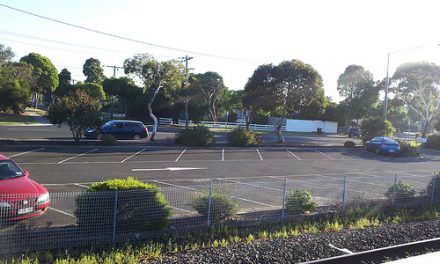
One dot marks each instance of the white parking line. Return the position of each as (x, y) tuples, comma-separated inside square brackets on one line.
[(79, 155), (351, 180), (254, 185), (62, 212), (223, 154), (180, 155), (122, 161), (259, 154), (19, 154), (80, 185), (175, 185), (291, 153), (324, 154)]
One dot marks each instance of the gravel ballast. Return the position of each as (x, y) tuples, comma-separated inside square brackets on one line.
[(310, 246)]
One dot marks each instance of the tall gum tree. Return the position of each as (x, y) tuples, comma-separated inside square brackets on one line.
[(418, 85), (45, 74), (155, 76), (283, 89)]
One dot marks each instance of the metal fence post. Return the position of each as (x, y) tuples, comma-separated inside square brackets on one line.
[(209, 203), (115, 215), (284, 199), (395, 188), (344, 193), (434, 180)]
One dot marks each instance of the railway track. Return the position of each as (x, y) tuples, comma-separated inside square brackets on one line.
[(381, 254)]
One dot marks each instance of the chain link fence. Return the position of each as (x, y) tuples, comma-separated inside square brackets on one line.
[(77, 219)]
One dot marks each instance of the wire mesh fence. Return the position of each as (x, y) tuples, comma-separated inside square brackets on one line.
[(76, 219)]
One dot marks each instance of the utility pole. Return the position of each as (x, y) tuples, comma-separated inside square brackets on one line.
[(115, 68), (185, 89)]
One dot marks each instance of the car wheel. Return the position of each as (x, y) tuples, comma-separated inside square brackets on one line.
[(136, 137), (99, 136)]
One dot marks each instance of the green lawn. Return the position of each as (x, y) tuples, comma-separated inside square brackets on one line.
[(14, 119)]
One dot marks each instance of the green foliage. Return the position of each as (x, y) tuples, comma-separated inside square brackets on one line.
[(94, 90), (15, 79), (434, 183), (243, 137), (433, 141), (222, 205), (44, 72), (300, 201), (195, 136), (93, 71), (402, 191), (78, 110), (349, 144), (109, 140), (408, 149), (141, 206), (375, 126)]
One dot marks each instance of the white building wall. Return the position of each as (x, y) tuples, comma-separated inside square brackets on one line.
[(294, 125)]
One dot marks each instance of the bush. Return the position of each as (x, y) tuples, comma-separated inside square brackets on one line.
[(349, 144), (109, 140), (222, 205), (433, 141), (140, 206), (430, 185), (375, 126), (243, 137), (195, 136), (403, 191), (408, 149), (300, 201)]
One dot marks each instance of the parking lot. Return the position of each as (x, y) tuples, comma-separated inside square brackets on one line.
[(254, 177)]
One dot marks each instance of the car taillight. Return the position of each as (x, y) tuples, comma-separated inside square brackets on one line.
[(146, 130)]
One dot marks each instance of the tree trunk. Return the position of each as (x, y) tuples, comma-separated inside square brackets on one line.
[(247, 118), (278, 130), (150, 112), (186, 111), (425, 128)]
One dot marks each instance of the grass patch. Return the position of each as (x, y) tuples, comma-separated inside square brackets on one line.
[(14, 119), (223, 236)]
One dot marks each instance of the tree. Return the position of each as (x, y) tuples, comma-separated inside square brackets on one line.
[(284, 89), (418, 86), (124, 88), (358, 87), (94, 90), (45, 74), (156, 76), (15, 82), (211, 84), (93, 71), (77, 109), (374, 127), (64, 86), (6, 54)]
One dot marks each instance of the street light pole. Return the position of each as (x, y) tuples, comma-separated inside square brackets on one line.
[(385, 103)]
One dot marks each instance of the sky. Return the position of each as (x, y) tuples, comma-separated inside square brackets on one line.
[(231, 37)]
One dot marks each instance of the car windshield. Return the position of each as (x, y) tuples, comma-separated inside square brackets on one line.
[(389, 141), (8, 170)]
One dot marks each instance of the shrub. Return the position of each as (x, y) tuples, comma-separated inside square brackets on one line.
[(140, 206), (300, 201), (402, 191), (349, 144), (195, 136), (436, 186), (408, 149), (433, 141), (375, 126), (242, 137), (109, 140), (222, 205)]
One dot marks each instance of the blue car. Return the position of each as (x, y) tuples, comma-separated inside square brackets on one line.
[(120, 129), (383, 145)]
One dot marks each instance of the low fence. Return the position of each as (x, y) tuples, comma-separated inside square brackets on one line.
[(255, 127), (76, 219)]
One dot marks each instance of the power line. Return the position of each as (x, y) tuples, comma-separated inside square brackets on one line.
[(119, 36)]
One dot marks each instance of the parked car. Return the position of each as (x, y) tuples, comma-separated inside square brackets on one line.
[(20, 197), (354, 132), (120, 129), (383, 145)]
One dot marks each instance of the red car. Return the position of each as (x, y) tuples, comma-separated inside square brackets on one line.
[(20, 197)]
